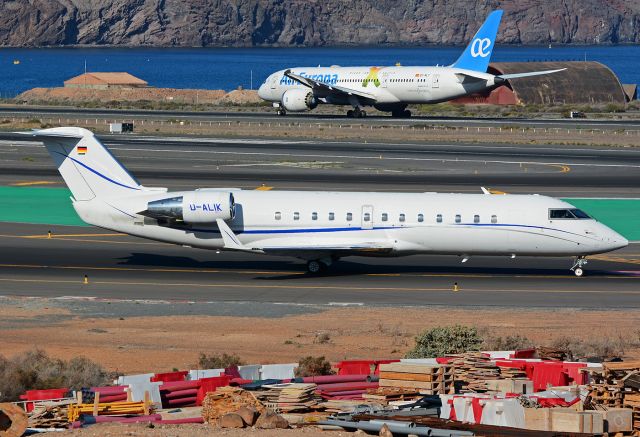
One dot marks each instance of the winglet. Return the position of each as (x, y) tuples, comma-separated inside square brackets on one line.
[(478, 53)]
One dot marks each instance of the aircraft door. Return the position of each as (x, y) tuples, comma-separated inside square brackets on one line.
[(435, 81), (273, 82), (367, 217)]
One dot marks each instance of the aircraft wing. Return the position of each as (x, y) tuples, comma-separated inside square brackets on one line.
[(467, 77), (317, 85), (296, 247)]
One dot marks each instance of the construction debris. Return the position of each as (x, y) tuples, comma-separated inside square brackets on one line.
[(13, 420), (228, 400)]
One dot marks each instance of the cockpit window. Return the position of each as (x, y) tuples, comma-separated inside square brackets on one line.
[(568, 214)]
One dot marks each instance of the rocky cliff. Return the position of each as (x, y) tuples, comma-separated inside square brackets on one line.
[(311, 22)]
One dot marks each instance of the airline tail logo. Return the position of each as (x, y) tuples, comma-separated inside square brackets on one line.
[(479, 47)]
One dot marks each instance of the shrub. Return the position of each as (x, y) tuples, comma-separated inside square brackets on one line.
[(445, 340), (313, 366), (35, 370), (323, 338), (508, 343), (218, 361)]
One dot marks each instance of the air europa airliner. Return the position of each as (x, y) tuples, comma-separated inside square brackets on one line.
[(390, 89), (320, 227)]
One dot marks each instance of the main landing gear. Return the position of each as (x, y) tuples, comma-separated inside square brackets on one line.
[(579, 263), (356, 113), (401, 114), (319, 266), (281, 112)]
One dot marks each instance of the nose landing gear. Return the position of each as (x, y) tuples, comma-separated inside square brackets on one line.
[(578, 264)]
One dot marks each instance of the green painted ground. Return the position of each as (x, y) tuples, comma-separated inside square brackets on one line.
[(38, 205), (52, 206)]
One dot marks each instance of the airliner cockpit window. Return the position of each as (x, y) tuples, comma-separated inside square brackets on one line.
[(568, 214)]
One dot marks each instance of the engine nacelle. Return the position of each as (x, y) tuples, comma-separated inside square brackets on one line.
[(194, 207), (298, 100)]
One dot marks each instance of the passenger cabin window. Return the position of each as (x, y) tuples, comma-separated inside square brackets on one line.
[(349, 216), (402, 217), (296, 216), (439, 218), (494, 219), (314, 216), (568, 214), (476, 218), (385, 216), (420, 218), (458, 218), (367, 217), (332, 216), (278, 216)]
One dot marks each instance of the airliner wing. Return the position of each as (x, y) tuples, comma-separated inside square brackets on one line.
[(529, 74), (298, 247), (317, 85)]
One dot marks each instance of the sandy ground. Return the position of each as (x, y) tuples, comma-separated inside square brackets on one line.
[(139, 430), (162, 343)]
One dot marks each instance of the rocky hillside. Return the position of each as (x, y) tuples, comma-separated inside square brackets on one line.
[(311, 22)]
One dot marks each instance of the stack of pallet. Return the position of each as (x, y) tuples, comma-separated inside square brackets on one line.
[(289, 397), (616, 385), (472, 370), (228, 400), (428, 379), (51, 414), (384, 395)]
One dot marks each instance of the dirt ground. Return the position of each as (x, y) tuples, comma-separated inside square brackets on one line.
[(139, 430), (162, 343)]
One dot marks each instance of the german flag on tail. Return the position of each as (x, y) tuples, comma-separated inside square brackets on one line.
[(82, 150)]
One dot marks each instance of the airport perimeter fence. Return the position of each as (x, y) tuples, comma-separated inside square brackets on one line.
[(299, 126)]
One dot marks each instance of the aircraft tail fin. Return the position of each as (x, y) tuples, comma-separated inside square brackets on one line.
[(477, 55), (86, 165)]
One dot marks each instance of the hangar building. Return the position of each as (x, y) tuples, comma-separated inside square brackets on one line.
[(582, 83)]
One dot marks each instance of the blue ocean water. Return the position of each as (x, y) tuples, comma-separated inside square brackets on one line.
[(228, 68)]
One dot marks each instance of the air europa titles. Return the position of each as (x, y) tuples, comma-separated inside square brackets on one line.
[(213, 207), (330, 79)]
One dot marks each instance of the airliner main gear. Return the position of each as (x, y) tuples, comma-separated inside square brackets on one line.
[(356, 113), (316, 266)]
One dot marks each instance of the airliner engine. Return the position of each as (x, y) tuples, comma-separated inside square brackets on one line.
[(298, 100), (194, 207)]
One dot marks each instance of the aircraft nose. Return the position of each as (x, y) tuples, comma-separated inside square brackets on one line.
[(615, 241), (262, 91)]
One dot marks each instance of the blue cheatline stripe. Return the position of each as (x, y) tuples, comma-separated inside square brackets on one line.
[(98, 173)]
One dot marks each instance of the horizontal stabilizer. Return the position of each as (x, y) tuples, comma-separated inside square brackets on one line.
[(470, 78), (529, 74)]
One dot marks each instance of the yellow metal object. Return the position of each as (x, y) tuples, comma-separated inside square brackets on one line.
[(86, 280), (264, 187), (49, 235), (455, 287), (108, 409)]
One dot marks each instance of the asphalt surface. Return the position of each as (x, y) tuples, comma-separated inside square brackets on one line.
[(185, 163), (270, 115), (121, 267)]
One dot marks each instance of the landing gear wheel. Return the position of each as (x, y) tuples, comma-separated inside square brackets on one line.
[(578, 272), (315, 267), (281, 112), (406, 114), (579, 263), (363, 114), (350, 113)]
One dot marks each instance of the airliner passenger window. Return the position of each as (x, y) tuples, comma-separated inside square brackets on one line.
[(314, 216), (296, 216), (385, 216), (420, 218), (458, 218), (367, 217), (332, 216), (349, 216), (476, 218), (494, 219), (402, 217), (278, 216), (439, 218)]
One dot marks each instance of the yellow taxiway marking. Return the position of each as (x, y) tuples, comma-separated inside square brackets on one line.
[(316, 287), (496, 192), (299, 273), (264, 188), (53, 235), (29, 183)]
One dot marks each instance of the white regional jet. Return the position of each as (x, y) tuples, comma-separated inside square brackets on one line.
[(320, 226), (390, 89)]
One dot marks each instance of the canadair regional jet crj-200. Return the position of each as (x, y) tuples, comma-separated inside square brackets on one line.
[(320, 227), (390, 89)]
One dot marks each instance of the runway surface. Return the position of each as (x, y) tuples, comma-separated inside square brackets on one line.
[(184, 163), (122, 267), (270, 115)]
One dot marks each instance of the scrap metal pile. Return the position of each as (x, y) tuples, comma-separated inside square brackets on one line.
[(492, 393)]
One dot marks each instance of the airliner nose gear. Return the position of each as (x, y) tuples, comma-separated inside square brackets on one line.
[(578, 264)]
